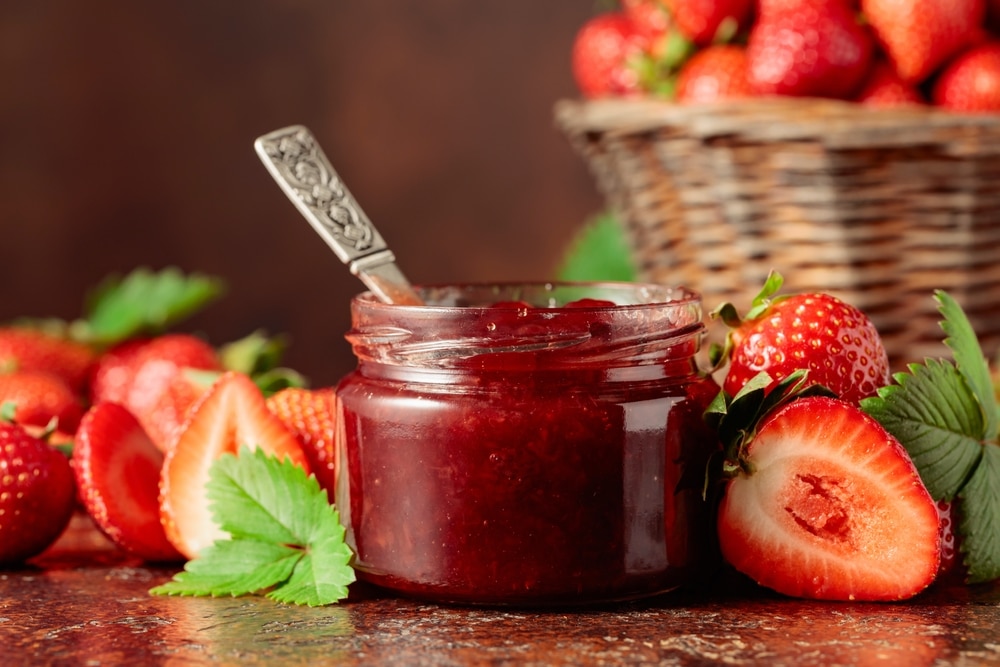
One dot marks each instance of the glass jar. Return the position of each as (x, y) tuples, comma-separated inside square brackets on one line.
[(527, 444)]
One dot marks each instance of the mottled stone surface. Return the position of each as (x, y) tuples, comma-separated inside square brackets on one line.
[(87, 605)]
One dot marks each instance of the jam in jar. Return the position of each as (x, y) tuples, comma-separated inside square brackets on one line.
[(527, 444)]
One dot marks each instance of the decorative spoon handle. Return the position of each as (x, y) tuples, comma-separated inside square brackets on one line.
[(295, 160)]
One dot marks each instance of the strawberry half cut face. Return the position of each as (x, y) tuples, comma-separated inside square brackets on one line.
[(829, 506), (232, 414)]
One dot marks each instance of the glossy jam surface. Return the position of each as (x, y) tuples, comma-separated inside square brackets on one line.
[(537, 451)]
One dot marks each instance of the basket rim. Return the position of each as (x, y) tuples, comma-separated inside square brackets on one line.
[(835, 123)]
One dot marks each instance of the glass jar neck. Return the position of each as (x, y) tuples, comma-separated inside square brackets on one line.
[(617, 331)]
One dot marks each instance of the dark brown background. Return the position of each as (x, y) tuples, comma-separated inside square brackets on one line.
[(127, 132)]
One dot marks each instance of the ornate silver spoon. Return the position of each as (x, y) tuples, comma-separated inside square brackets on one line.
[(295, 160)]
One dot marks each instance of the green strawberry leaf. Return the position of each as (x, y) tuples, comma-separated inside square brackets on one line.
[(736, 419), (980, 516), (945, 414), (143, 302), (286, 540), (233, 567), (599, 251), (970, 359), (258, 356), (718, 354), (932, 411)]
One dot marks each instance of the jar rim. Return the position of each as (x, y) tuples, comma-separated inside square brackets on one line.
[(447, 296)]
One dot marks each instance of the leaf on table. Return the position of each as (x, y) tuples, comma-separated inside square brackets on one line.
[(286, 539)]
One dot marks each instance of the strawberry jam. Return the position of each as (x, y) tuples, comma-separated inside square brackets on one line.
[(527, 444)]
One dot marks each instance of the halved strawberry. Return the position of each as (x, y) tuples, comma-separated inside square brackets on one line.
[(233, 413), (309, 415), (117, 470), (826, 504)]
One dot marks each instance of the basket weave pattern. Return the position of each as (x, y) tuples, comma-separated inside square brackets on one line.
[(879, 207)]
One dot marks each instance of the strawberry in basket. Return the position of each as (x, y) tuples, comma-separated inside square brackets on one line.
[(876, 52)]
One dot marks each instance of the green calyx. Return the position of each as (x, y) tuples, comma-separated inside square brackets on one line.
[(946, 415), (259, 355), (736, 418), (718, 355)]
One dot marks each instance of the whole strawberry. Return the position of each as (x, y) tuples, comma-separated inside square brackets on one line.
[(604, 56), (813, 48), (309, 415), (920, 35), (701, 20), (714, 73), (971, 82), (140, 374), (39, 398), (833, 340), (885, 88), (29, 349), (650, 18), (37, 494)]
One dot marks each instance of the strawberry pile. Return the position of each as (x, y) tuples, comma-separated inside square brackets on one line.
[(878, 52), (122, 416), (839, 482)]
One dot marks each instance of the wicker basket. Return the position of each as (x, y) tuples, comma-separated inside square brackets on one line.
[(879, 207)]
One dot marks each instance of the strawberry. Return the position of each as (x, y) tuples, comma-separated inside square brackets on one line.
[(971, 82), (117, 470), (920, 35), (714, 73), (233, 413), (833, 340), (885, 88), (309, 415), (39, 397), (825, 504), (604, 53), (650, 18), (138, 374), (28, 349), (37, 494), (700, 20), (807, 48)]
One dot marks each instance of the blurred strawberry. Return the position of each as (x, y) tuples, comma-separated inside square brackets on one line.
[(971, 82), (37, 494), (309, 415), (921, 35), (885, 88), (29, 349), (39, 398), (604, 56), (139, 374), (650, 18), (701, 20), (714, 73), (807, 48)]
